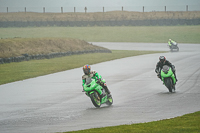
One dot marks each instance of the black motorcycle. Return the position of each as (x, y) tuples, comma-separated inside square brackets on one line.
[(174, 46)]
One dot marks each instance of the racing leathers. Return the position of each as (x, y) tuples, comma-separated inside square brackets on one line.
[(171, 42)]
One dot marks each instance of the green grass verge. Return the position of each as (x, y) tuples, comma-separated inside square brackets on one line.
[(189, 123), (154, 34), (28, 69)]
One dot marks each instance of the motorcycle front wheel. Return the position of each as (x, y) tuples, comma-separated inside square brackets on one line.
[(95, 98), (168, 84)]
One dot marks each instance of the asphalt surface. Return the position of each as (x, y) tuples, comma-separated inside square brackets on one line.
[(56, 103)]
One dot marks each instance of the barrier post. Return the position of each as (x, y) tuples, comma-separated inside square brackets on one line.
[(61, 9), (85, 9)]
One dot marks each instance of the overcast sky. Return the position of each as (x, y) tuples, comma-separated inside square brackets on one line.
[(14, 4)]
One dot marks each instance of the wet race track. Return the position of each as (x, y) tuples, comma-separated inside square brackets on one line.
[(56, 103)]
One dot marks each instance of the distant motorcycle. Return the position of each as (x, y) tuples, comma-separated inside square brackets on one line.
[(168, 78), (174, 46), (94, 90)]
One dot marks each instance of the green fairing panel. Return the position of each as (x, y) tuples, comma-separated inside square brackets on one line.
[(93, 86), (169, 74)]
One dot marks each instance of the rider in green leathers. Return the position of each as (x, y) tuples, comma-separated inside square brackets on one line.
[(88, 73), (170, 42)]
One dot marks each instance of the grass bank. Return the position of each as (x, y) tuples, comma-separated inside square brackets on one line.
[(154, 34), (98, 16), (189, 123), (14, 47), (11, 72)]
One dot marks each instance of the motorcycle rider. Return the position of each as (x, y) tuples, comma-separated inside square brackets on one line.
[(161, 63), (88, 73), (170, 42)]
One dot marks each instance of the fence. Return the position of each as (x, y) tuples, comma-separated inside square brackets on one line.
[(109, 22), (101, 9)]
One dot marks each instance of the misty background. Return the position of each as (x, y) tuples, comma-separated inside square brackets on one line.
[(97, 5)]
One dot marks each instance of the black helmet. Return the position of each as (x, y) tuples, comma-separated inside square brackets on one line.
[(162, 59)]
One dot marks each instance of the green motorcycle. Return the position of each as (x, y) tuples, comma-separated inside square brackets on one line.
[(94, 91), (168, 78)]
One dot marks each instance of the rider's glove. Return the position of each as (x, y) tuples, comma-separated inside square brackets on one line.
[(173, 68), (99, 81), (157, 71), (83, 89), (158, 75)]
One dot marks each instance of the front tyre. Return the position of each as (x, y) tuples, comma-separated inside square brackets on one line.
[(95, 98), (173, 89), (168, 84)]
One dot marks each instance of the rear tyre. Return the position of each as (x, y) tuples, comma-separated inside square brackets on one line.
[(95, 98), (177, 48), (110, 101)]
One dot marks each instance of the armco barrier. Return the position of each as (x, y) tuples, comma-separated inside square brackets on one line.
[(26, 57), (147, 22)]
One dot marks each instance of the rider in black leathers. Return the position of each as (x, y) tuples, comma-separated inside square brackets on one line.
[(161, 63)]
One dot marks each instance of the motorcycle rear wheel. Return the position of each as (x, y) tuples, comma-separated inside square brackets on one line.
[(110, 101)]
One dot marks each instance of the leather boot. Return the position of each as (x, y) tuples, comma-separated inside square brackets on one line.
[(107, 91)]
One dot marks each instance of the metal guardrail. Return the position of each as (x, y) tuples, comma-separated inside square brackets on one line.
[(26, 57), (147, 22)]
